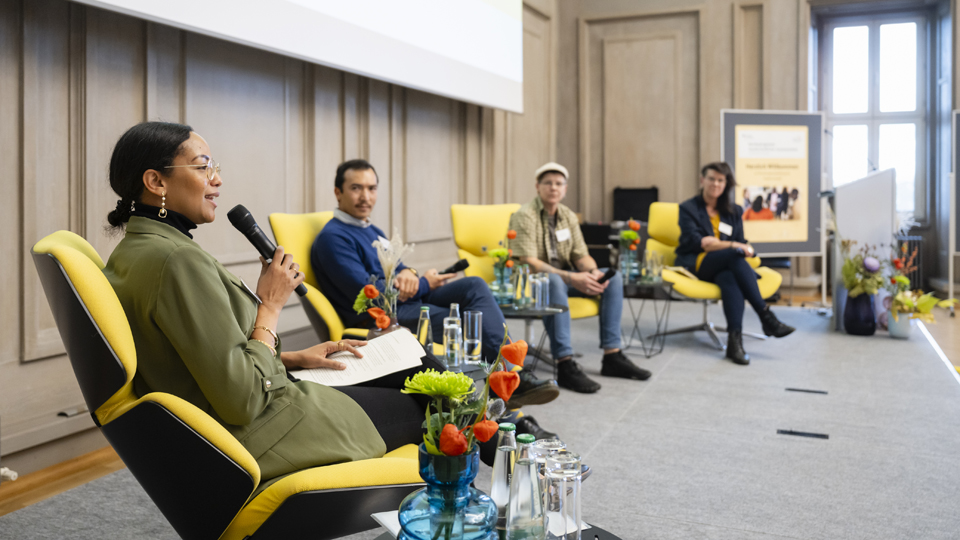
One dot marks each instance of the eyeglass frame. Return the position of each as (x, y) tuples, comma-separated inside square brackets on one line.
[(210, 164)]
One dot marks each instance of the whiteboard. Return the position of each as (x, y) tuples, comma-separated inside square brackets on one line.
[(866, 209)]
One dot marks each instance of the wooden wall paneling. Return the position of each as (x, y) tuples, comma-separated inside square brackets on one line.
[(472, 166), (48, 201), (236, 98), (531, 137), (13, 265), (352, 102), (750, 72), (327, 131), (378, 143), (165, 72), (431, 171), (637, 130), (114, 100), (398, 162), (641, 115), (295, 137)]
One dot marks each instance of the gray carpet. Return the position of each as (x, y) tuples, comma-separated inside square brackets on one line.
[(694, 452)]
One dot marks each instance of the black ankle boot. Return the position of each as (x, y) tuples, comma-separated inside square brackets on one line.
[(735, 350), (772, 326)]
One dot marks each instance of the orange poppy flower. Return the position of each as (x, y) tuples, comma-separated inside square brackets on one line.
[(511, 234), (383, 322), (376, 312), (370, 292), (452, 442), (515, 352), (503, 383), (633, 247), (509, 264), (634, 225)]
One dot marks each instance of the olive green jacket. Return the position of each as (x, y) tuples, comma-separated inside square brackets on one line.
[(191, 320)]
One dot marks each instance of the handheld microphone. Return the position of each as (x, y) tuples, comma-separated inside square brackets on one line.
[(241, 219), (458, 266)]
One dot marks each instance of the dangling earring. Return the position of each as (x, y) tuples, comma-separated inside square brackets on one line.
[(163, 204)]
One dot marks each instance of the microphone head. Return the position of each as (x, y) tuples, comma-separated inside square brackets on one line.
[(241, 218)]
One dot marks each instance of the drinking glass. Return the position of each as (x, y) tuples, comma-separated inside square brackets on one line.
[(562, 496), (536, 290), (452, 344), (473, 330)]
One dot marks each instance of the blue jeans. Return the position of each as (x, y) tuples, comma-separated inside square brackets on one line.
[(473, 294), (611, 309)]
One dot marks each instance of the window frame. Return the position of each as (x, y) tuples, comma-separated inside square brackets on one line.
[(873, 118)]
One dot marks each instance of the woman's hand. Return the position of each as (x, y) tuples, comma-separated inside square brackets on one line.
[(278, 279), (317, 356)]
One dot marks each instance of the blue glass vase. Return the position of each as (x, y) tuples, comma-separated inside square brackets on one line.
[(858, 316), (448, 508), (502, 287)]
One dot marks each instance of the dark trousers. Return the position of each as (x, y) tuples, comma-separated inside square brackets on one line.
[(399, 417), (737, 281), (473, 294)]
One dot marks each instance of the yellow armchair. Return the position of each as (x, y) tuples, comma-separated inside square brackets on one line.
[(664, 237), (296, 233), (203, 481)]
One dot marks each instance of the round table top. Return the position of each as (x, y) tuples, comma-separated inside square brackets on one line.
[(511, 312)]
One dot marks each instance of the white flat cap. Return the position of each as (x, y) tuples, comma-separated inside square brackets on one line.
[(552, 167)]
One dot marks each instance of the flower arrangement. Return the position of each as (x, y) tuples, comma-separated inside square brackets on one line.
[(501, 255), (629, 239), (458, 414), (861, 272), (382, 305), (914, 303)]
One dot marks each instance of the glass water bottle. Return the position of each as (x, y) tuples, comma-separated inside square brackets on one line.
[(525, 507), (424, 329), (503, 471)]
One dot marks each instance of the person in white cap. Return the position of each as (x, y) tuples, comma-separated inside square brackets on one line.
[(549, 240)]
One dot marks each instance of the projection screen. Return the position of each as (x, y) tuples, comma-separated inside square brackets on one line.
[(469, 50)]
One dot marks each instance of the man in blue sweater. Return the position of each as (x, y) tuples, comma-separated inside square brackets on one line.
[(344, 258)]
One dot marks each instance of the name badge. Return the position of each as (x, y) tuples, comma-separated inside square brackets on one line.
[(563, 235), (250, 291), (726, 228)]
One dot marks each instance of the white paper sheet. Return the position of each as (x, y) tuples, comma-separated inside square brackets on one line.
[(384, 355)]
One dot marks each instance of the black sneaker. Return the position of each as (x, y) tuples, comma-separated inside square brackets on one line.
[(528, 424), (618, 365), (572, 377), (533, 391)]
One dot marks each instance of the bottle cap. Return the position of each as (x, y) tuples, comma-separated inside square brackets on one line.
[(526, 438), (424, 308), (507, 426)]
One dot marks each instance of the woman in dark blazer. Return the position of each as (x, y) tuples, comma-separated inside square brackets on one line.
[(712, 246), (202, 334)]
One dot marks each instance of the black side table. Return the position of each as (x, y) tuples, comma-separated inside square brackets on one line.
[(529, 314), (659, 291)]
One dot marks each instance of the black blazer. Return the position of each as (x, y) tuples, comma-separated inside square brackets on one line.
[(695, 224)]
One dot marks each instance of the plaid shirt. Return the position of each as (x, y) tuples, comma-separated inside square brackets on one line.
[(533, 232)]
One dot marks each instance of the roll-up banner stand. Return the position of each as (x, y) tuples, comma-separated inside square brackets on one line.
[(953, 236), (777, 158)]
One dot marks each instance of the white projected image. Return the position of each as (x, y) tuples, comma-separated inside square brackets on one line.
[(469, 50)]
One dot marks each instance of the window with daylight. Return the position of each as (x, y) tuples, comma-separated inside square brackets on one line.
[(874, 75)]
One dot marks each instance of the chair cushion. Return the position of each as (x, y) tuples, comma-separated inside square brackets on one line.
[(476, 226), (664, 223), (326, 311), (481, 266), (581, 308), (768, 283), (400, 466), (296, 233)]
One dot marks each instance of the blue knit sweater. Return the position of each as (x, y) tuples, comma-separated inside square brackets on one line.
[(343, 258)]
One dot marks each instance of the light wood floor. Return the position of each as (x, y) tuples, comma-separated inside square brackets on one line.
[(43, 484), (35, 487)]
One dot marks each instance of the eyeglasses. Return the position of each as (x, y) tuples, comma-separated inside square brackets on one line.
[(211, 166)]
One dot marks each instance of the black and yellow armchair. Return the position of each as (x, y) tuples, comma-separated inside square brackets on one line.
[(296, 233), (664, 232), (201, 478)]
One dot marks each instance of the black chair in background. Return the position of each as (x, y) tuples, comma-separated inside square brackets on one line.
[(633, 203)]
